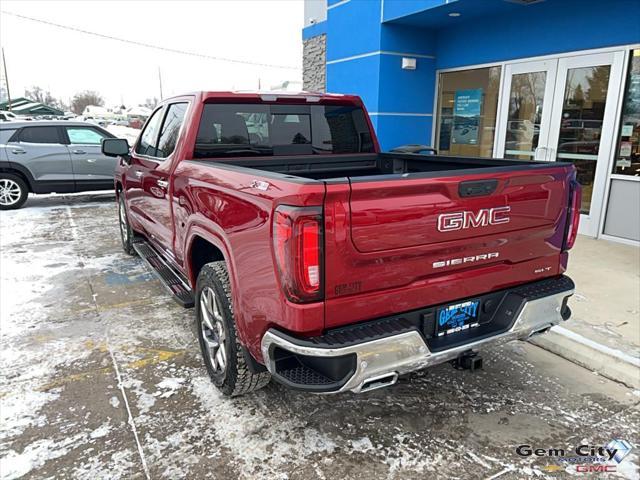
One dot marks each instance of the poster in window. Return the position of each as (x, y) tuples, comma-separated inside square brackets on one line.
[(466, 116)]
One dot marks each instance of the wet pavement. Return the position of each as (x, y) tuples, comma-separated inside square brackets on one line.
[(101, 377)]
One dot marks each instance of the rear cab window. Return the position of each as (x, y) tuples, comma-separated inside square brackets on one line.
[(240, 130)]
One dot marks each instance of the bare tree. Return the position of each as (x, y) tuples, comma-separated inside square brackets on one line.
[(150, 103), (82, 99), (40, 95)]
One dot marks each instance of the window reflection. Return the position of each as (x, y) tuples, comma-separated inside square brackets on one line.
[(525, 114), (628, 148), (467, 106), (585, 97)]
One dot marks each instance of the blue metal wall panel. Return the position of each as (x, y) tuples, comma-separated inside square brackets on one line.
[(400, 38), (314, 30), (547, 28), (400, 8), (396, 130), (353, 29), (407, 91), (359, 77), (506, 31)]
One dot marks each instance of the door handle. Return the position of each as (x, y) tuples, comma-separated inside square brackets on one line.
[(78, 152), (162, 183), (91, 160), (138, 173), (18, 151)]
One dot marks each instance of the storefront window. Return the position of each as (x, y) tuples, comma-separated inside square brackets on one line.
[(628, 148), (467, 106)]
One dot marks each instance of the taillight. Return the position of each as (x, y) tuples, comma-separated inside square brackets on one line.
[(573, 216), (297, 245)]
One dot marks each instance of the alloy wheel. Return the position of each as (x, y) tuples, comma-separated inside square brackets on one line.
[(213, 330), (10, 192)]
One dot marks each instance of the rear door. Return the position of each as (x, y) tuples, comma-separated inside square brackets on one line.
[(41, 149), (91, 169), (403, 243)]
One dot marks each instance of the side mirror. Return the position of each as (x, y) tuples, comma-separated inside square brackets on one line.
[(115, 147)]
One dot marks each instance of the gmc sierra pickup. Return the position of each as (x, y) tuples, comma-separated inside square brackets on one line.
[(316, 260)]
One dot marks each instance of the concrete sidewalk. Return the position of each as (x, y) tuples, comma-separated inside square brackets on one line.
[(603, 334)]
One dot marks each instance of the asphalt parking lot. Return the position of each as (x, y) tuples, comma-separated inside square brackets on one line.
[(102, 378)]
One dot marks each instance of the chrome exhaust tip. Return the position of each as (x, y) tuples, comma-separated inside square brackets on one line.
[(382, 381)]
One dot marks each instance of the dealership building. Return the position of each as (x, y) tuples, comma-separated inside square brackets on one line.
[(523, 79)]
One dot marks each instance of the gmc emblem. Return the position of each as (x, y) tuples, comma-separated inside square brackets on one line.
[(448, 222)]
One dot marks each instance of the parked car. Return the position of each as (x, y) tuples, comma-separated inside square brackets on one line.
[(51, 156), (6, 116), (314, 259)]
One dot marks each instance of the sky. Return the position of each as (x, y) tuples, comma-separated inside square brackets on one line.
[(65, 62)]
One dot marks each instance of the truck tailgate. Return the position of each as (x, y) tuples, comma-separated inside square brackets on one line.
[(401, 243)]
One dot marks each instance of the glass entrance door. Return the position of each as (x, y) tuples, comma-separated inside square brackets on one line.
[(525, 112), (564, 109), (582, 125)]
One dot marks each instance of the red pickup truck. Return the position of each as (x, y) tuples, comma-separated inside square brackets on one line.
[(315, 259)]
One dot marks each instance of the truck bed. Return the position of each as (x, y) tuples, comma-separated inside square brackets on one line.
[(365, 166)]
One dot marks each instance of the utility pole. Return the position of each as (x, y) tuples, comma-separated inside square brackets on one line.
[(160, 80), (6, 79)]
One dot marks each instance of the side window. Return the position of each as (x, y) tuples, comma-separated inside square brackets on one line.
[(84, 136), (149, 136), (170, 129), (39, 135)]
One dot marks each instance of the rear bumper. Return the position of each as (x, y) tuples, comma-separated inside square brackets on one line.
[(372, 355)]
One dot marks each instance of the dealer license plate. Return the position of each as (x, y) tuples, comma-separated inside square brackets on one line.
[(457, 317)]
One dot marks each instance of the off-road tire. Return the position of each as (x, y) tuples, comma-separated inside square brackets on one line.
[(126, 232), (237, 378), (24, 191)]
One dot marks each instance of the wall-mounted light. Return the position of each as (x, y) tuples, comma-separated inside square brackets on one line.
[(454, 14), (408, 63)]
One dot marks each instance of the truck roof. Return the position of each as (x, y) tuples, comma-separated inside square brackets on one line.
[(274, 96)]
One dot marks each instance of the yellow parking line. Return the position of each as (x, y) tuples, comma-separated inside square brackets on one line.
[(153, 357)]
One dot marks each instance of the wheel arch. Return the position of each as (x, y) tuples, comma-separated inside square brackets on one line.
[(20, 171), (203, 247), (202, 251)]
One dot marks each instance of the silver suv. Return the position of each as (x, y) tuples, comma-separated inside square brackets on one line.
[(51, 156)]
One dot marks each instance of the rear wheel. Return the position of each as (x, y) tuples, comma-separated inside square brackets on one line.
[(219, 342), (13, 191), (126, 233)]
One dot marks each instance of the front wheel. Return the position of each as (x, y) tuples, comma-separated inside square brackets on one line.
[(219, 342), (13, 191), (126, 233)]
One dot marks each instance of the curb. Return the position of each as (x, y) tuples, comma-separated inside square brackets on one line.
[(606, 361)]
